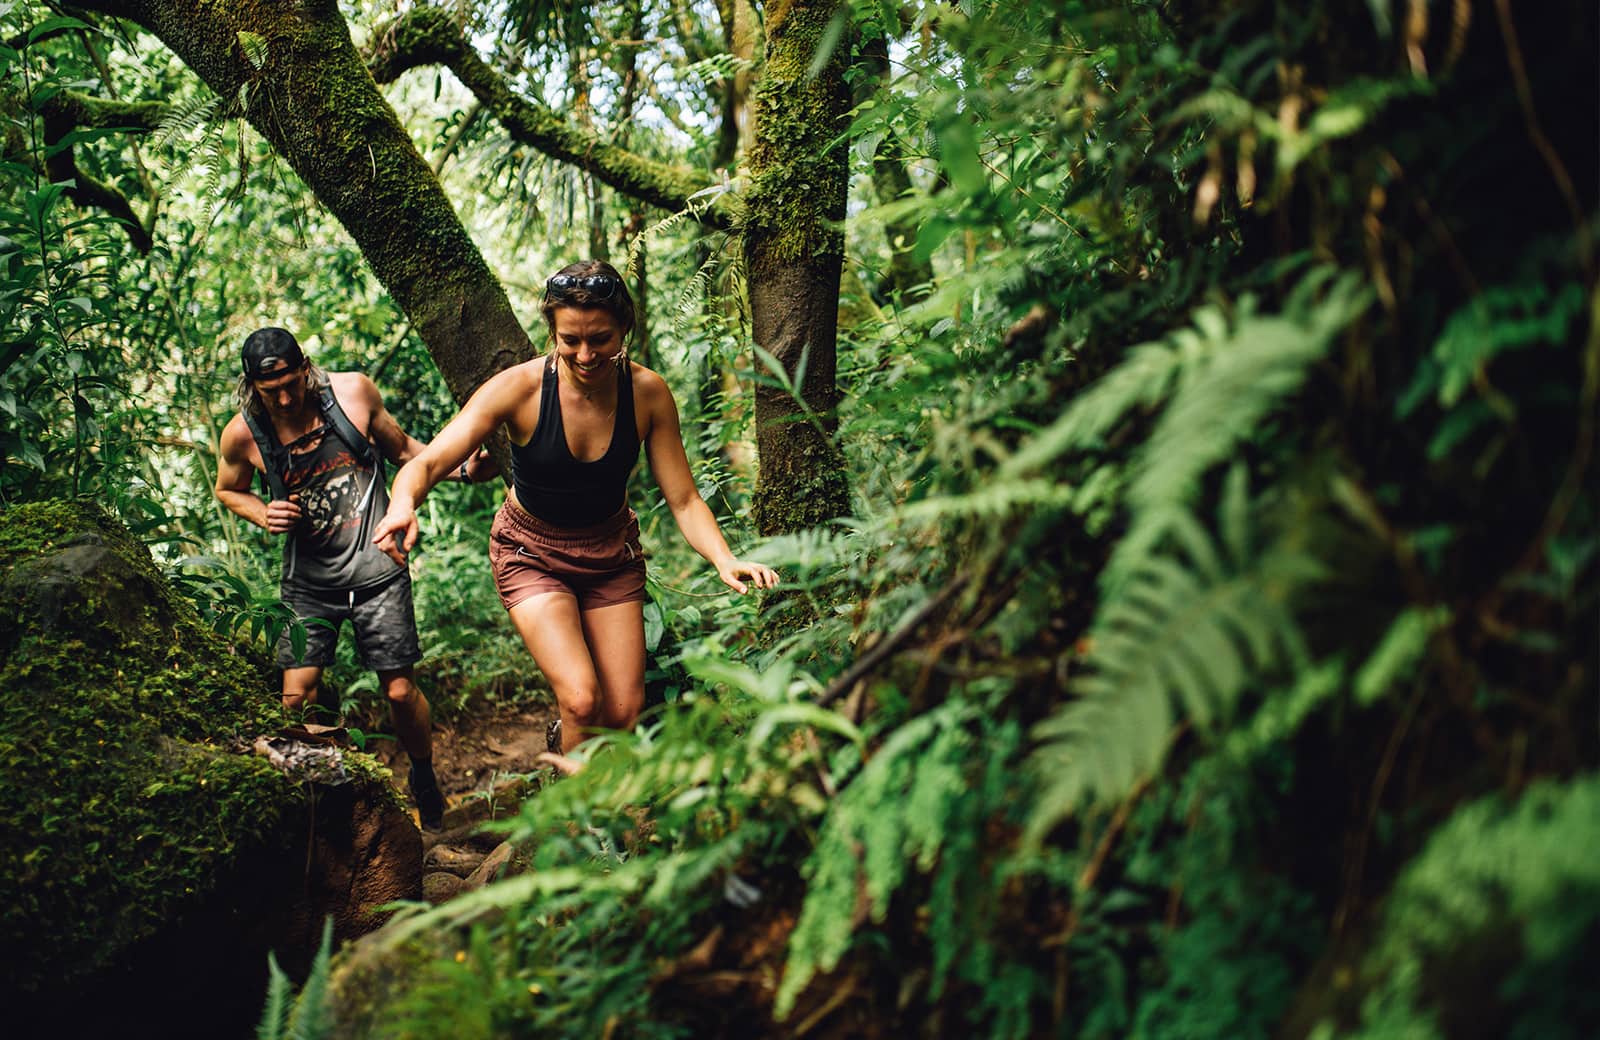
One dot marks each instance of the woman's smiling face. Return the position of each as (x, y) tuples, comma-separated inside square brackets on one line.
[(588, 341)]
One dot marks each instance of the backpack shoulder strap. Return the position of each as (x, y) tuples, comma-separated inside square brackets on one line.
[(273, 455), (352, 437)]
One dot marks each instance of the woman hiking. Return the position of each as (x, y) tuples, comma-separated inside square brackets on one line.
[(564, 547)]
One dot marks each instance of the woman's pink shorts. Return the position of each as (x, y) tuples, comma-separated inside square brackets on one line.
[(601, 565)]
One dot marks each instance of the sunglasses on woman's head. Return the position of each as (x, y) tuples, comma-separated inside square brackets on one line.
[(597, 286)]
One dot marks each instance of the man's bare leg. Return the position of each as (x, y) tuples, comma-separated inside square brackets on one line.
[(408, 708), (300, 687), (413, 724)]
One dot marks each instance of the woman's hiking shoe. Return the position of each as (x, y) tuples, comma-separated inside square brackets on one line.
[(552, 736), (430, 800)]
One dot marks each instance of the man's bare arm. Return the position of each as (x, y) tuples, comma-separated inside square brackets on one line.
[(397, 446), (236, 473)]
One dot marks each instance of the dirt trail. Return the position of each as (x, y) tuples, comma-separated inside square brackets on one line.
[(486, 767), (475, 757)]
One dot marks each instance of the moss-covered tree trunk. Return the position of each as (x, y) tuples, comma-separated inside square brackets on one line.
[(794, 252), (313, 99)]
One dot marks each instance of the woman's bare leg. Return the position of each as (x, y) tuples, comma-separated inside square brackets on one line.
[(594, 688), (552, 632), (615, 635)]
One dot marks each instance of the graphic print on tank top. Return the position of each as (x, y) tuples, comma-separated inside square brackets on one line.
[(329, 484), (340, 502)]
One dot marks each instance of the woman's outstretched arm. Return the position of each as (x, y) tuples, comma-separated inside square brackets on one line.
[(493, 403), (670, 465)]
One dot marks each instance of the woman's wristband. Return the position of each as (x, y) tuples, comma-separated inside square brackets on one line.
[(462, 472)]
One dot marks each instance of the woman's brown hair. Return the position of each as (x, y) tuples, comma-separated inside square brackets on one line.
[(588, 283)]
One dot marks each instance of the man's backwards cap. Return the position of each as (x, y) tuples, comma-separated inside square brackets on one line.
[(270, 352)]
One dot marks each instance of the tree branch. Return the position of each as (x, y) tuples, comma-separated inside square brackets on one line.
[(86, 110), (71, 110), (889, 645), (342, 138), (429, 36)]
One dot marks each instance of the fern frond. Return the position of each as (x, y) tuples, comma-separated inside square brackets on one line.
[(275, 1014), (1234, 377), (1227, 110), (687, 872), (871, 838), (813, 549), (719, 67), (1501, 318), (313, 1014), (671, 220), (1187, 632), (1399, 650), (694, 294), (1141, 380), (254, 47), (1222, 376), (472, 906), (1344, 112), (1283, 711), (182, 120), (997, 498), (1521, 877), (216, 165)]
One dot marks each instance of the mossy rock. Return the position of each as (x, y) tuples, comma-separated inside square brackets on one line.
[(124, 807), (378, 975)]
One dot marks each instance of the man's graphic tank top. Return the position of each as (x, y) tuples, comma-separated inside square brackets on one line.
[(331, 549)]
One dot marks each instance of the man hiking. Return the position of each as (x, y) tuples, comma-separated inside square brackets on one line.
[(320, 438)]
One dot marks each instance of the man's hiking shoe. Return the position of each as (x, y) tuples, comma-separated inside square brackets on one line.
[(430, 800), (552, 736)]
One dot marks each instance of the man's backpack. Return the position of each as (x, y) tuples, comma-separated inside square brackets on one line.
[(276, 457)]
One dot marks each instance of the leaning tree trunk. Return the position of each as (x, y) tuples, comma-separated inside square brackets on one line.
[(794, 252), (314, 101)]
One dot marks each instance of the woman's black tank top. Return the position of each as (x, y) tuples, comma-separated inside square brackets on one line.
[(557, 488)]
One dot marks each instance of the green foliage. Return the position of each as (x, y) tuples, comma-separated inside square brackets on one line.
[(919, 805), (614, 888), (1492, 322), (1220, 394), (1190, 628), (280, 999), (61, 364), (230, 606), (307, 1016), (1226, 967), (1397, 655), (1492, 919), (312, 1017)]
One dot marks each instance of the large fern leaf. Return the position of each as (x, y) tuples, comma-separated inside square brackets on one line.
[(1220, 379), (1185, 634), (275, 1014), (1236, 373)]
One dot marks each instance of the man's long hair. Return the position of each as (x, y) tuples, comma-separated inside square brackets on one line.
[(249, 401)]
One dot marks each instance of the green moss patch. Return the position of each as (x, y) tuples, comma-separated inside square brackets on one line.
[(119, 798)]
